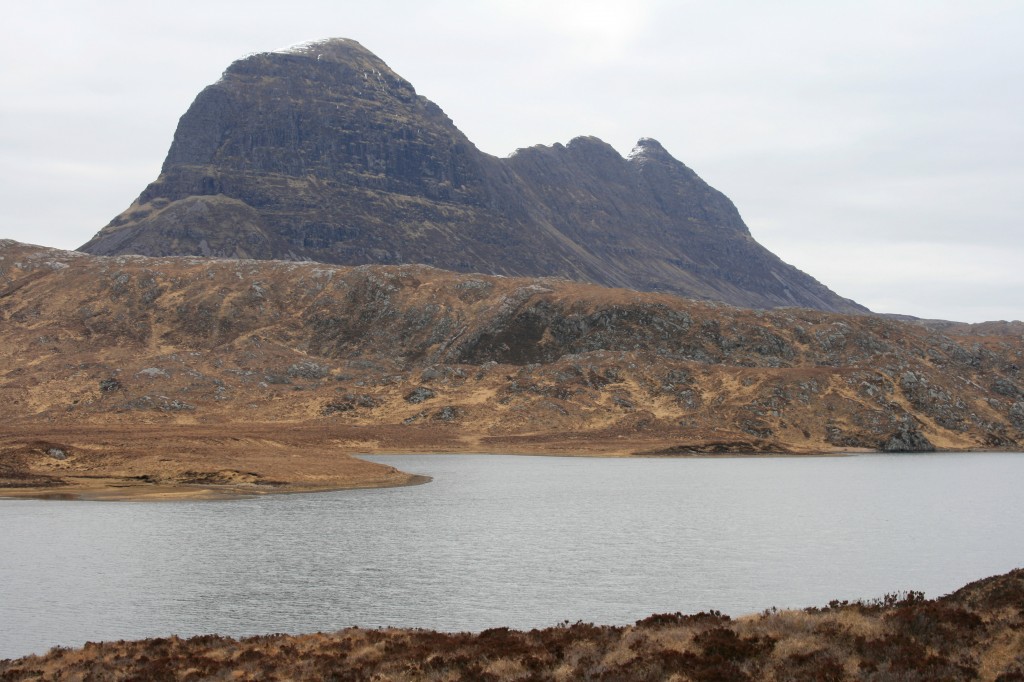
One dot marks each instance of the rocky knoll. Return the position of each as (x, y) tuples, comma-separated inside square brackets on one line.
[(323, 153), (418, 359)]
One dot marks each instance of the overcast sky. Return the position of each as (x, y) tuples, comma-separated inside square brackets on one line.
[(878, 145)]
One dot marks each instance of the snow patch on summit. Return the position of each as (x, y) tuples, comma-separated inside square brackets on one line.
[(643, 145), (308, 46)]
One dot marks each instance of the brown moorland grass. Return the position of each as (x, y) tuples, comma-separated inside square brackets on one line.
[(235, 365), (976, 633)]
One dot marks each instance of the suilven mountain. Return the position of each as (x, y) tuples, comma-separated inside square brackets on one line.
[(323, 153)]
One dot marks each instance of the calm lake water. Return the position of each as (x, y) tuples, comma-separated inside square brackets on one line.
[(517, 541)]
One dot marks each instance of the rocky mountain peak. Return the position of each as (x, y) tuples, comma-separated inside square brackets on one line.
[(340, 56), (340, 50), (648, 148), (322, 152), (591, 145)]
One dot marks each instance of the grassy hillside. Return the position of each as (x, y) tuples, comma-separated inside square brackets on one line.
[(411, 358)]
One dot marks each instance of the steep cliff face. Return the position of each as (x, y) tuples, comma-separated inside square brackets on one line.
[(323, 153)]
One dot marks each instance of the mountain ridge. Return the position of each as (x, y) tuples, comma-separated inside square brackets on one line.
[(322, 152)]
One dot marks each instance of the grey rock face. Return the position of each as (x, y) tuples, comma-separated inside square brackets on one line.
[(907, 439), (419, 394), (323, 153)]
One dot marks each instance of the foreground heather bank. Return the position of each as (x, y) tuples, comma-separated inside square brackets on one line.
[(974, 633)]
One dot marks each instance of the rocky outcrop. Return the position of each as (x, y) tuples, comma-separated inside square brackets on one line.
[(323, 153), (907, 439)]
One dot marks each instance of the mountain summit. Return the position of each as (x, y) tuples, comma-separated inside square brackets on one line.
[(321, 152)]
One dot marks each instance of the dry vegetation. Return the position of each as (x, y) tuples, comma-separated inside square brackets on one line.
[(188, 373), (977, 633)]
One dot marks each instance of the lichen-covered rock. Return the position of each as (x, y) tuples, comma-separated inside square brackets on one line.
[(1017, 415), (160, 403), (348, 403), (110, 385), (448, 413), (419, 394), (907, 439), (308, 370)]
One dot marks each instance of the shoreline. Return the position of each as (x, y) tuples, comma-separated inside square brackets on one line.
[(148, 492), (206, 461), (82, 488), (139, 491)]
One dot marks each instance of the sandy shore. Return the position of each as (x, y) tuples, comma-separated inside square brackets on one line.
[(184, 462), (118, 490), (154, 462)]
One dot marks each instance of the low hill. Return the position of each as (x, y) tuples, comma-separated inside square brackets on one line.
[(413, 358)]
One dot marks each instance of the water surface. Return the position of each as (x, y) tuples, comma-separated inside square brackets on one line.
[(504, 540)]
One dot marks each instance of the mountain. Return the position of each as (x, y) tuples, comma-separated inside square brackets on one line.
[(186, 369), (322, 152)]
